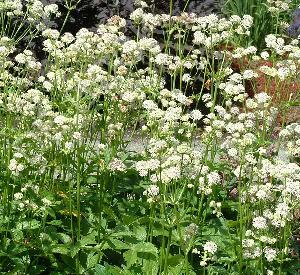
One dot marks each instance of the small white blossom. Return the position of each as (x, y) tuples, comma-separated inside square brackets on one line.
[(210, 247)]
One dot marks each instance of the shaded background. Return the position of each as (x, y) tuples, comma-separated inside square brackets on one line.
[(89, 13)]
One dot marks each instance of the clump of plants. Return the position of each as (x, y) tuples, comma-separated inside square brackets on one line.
[(269, 16), (125, 156)]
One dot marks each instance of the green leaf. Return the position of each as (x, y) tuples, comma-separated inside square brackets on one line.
[(216, 270), (92, 260), (85, 240), (51, 212), (180, 270), (231, 223), (145, 247), (122, 231), (115, 270), (74, 250), (140, 233), (160, 232), (17, 234), (32, 224), (130, 257), (60, 249), (150, 266), (55, 222), (117, 244), (91, 180), (175, 270), (64, 237), (88, 239), (100, 270), (175, 260)]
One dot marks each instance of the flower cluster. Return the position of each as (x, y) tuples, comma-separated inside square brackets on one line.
[(276, 7)]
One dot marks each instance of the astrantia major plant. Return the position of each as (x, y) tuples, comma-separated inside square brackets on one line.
[(127, 156)]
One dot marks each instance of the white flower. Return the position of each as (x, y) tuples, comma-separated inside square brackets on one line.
[(50, 33), (46, 202), (270, 253), (60, 120), (262, 151), (213, 178), (262, 98), (149, 105), (51, 9), (130, 47), (268, 70), (282, 210), (21, 58), (203, 263), (67, 38), (186, 78), (137, 15), (264, 55), (196, 115), (117, 165), (18, 196), (183, 148), (206, 97), (210, 247), (116, 21), (259, 223), (47, 85), (172, 114), (247, 21), (14, 166), (171, 173), (152, 191), (101, 147), (18, 155), (283, 72), (149, 44), (69, 145), (248, 243), (250, 50), (199, 38), (251, 104), (163, 59), (232, 152), (248, 74), (77, 135)]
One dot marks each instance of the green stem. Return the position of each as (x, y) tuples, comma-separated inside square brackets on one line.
[(168, 251)]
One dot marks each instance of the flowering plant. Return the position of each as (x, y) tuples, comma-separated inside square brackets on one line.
[(123, 155)]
